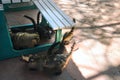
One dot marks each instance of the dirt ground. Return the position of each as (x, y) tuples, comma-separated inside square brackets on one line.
[(97, 37)]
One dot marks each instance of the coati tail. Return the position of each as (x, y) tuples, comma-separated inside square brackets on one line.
[(74, 20), (38, 18), (71, 49), (32, 20), (72, 29)]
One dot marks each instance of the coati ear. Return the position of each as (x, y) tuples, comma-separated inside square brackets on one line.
[(33, 21)]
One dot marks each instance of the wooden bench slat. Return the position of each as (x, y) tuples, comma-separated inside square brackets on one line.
[(44, 13), (62, 13), (26, 0), (57, 14), (6, 1), (51, 14)]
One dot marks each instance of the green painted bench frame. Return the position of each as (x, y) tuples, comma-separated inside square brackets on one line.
[(6, 46), (18, 6)]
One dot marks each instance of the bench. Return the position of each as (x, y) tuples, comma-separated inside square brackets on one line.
[(52, 16)]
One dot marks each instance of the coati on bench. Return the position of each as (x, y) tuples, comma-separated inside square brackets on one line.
[(45, 32), (25, 38)]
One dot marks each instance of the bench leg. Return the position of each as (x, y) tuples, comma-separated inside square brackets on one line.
[(58, 35)]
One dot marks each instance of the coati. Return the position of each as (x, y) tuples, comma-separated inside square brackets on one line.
[(55, 60), (45, 32), (23, 40)]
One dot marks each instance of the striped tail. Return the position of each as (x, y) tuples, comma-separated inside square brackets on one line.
[(33, 21), (38, 18)]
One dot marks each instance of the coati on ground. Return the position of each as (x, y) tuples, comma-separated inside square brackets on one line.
[(55, 60), (58, 59)]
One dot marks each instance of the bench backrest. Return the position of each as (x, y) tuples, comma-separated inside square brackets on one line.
[(13, 1), (17, 5)]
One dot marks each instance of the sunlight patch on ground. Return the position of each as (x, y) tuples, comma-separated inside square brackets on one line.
[(93, 57), (114, 52)]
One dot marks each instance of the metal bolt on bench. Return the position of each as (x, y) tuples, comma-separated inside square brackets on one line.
[(52, 16)]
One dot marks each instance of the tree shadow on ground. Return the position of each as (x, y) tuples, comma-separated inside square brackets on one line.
[(103, 33), (112, 72)]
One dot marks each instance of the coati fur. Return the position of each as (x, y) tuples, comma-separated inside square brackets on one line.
[(68, 36), (23, 40), (57, 59)]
